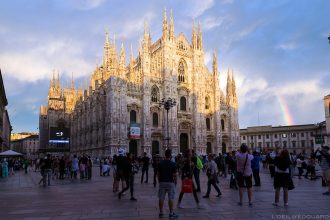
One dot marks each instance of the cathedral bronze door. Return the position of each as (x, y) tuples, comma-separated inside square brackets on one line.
[(184, 142), (155, 147), (133, 147), (224, 148)]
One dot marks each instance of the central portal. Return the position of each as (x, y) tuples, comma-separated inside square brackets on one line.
[(184, 143), (133, 147)]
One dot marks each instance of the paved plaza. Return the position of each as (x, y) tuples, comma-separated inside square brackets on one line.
[(22, 198)]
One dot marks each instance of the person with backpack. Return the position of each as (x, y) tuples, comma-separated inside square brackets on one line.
[(324, 158), (211, 172), (199, 166)]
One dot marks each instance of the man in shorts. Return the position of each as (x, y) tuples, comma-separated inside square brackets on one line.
[(167, 178)]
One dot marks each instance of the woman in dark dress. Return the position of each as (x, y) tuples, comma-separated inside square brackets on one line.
[(282, 176)]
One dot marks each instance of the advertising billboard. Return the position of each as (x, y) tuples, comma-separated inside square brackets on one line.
[(59, 135), (134, 131)]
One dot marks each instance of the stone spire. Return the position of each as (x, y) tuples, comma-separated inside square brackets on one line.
[(165, 27), (150, 40), (122, 59), (194, 37), (229, 87), (171, 30), (53, 81), (199, 37), (106, 51), (57, 85), (145, 43), (233, 83), (131, 60), (215, 64), (72, 82), (112, 61)]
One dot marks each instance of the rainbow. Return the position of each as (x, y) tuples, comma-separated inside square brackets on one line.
[(288, 119)]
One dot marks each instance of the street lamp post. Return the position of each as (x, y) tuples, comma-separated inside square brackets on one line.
[(168, 104)]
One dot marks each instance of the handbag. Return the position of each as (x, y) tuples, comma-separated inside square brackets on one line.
[(187, 186)]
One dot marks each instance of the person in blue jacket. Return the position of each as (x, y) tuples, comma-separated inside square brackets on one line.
[(255, 168)]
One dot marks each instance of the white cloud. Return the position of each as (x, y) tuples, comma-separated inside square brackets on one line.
[(209, 23), (135, 26), (287, 46), (86, 4), (227, 1), (37, 63), (198, 7)]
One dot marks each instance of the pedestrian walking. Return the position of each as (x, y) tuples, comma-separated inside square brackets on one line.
[(74, 167), (189, 165), (198, 167), (167, 174), (324, 158), (244, 173), (212, 177), (48, 169), (255, 165), (129, 170), (155, 162), (145, 167), (299, 162)]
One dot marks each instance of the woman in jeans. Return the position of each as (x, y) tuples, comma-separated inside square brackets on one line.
[(282, 176)]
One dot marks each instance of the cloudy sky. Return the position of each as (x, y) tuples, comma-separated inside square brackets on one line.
[(278, 49)]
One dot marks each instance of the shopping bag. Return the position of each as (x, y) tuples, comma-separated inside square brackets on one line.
[(187, 186)]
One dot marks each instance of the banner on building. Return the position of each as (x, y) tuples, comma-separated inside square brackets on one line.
[(135, 131)]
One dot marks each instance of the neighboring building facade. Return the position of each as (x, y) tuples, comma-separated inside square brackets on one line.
[(21, 135), (5, 126), (121, 106), (295, 138), (56, 115), (27, 144)]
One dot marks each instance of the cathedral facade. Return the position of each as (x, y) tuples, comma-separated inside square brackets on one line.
[(120, 108)]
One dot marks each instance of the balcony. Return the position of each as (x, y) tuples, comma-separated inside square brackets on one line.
[(184, 115)]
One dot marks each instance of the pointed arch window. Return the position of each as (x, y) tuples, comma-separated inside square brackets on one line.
[(181, 72), (207, 102), (132, 115), (183, 103), (154, 94), (155, 119), (208, 124), (222, 124)]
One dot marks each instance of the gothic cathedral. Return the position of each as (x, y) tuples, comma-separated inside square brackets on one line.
[(120, 108)]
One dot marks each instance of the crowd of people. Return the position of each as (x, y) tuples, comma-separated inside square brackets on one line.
[(242, 166)]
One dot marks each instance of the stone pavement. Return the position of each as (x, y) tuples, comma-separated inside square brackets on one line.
[(22, 198)]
